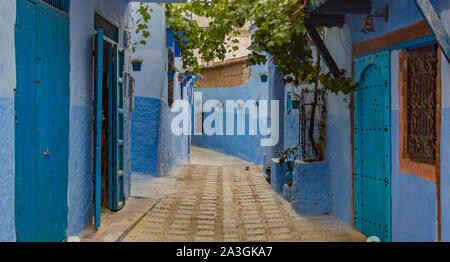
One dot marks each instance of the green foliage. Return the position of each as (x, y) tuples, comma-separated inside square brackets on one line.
[(137, 60), (288, 156), (142, 23), (278, 34)]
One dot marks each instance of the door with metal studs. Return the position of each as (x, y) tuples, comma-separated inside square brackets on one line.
[(372, 134)]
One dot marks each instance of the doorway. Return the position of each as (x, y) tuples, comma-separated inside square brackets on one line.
[(41, 104), (109, 120), (372, 145)]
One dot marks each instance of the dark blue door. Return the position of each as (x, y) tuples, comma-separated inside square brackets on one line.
[(42, 121), (98, 125), (117, 118), (372, 176)]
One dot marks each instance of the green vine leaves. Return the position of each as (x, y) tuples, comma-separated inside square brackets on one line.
[(278, 34)]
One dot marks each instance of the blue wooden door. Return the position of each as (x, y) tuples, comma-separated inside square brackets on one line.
[(98, 125), (372, 176), (42, 122), (117, 118)]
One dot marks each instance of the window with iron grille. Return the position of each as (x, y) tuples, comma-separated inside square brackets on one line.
[(421, 105), (171, 58), (62, 5), (312, 115)]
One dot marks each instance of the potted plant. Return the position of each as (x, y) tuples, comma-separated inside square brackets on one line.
[(288, 156), (171, 73), (277, 70), (264, 77), (137, 64)]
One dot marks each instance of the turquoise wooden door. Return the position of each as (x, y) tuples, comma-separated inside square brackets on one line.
[(117, 119), (42, 122), (372, 179), (98, 125)]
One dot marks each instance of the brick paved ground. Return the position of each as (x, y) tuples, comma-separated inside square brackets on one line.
[(229, 203)]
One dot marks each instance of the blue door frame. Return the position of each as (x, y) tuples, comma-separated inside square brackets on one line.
[(372, 146), (116, 118), (41, 103)]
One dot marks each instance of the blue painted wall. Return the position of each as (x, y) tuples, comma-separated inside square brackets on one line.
[(7, 170), (413, 198), (81, 111), (80, 144), (445, 168), (291, 119), (245, 147), (8, 81), (338, 138), (276, 92), (445, 140), (402, 13), (277, 175), (173, 150), (155, 150), (310, 191), (145, 135)]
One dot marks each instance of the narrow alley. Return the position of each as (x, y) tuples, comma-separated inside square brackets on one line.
[(225, 121), (217, 199)]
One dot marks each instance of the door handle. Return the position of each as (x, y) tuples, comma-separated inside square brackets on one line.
[(47, 153)]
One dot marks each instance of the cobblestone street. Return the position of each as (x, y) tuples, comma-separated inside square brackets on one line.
[(228, 203)]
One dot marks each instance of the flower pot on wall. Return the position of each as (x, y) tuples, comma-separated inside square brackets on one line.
[(289, 178), (137, 66), (295, 104), (264, 78), (277, 71), (170, 38), (170, 74)]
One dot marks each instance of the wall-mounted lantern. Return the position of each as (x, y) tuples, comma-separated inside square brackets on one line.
[(368, 25)]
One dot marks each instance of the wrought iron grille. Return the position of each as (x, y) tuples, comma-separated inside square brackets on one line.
[(421, 105), (312, 125), (62, 5), (171, 63)]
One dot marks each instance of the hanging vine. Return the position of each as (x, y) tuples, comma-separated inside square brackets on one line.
[(278, 34)]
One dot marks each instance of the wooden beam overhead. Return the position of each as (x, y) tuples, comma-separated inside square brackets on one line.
[(362, 7), (320, 20), (323, 50)]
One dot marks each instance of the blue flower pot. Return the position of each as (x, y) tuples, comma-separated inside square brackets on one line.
[(277, 71), (295, 104), (170, 74), (289, 178), (264, 78), (288, 175), (137, 66)]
